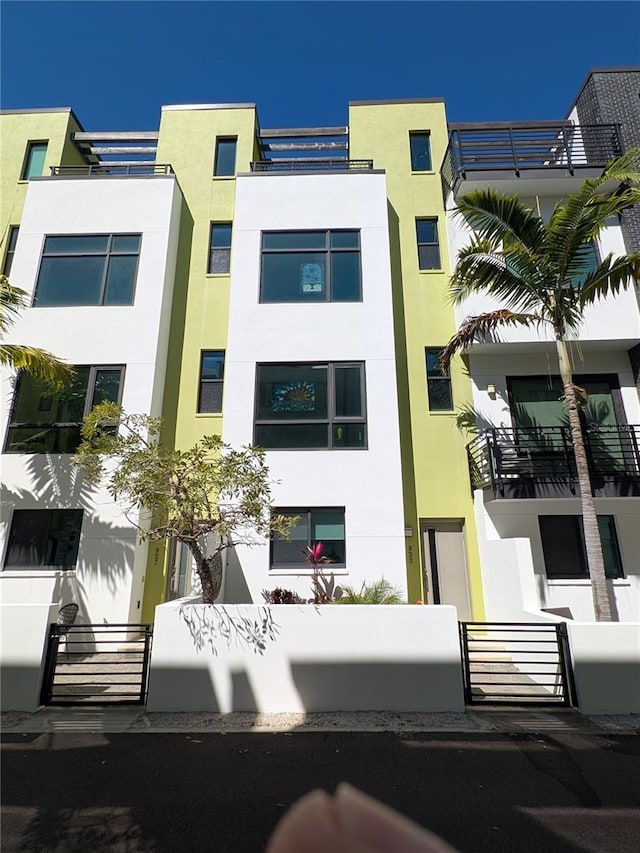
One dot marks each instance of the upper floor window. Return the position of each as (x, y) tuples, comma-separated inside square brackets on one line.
[(564, 548), (428, 245), (438, 384), (34, 160), (420, 144), (225, 161), (324, 525), (220, 247), (88, 269), (310, 405), (589, 262), (11, 249), (211, 380), (43, 539), (311, 266), (44, 422)]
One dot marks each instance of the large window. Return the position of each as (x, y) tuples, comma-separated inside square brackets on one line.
[(428, 245), (225, 162), (310, 266), (11, 249), (34, 160), (310, 406), (43, 422), (97, 269), (211, 381), (564, 548), (324, 525), (43, 539), (438, 383), (220, 247), (420, 143)]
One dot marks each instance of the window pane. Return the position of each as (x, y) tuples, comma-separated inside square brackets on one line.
[(610, 549), (225, 157), (345, 277), (429, 257), (291, 436), (427, 231), (420, 152), (295, 240), (327, 526), (44, 539), (220, 260), (70, 281), (440, 397), (433, 362), (349, 435), (293, 277), (212, 365), (75, 244), (562, 545), (107, 386), (291, 552), (348, 392), (221, 235), (292, 392), (210, 398), (43, 439), (126, 243), (63, 539), (36, 155), (120, 280), (345, 239)]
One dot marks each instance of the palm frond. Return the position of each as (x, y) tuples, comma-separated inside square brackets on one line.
[(12, 301), (39, 363), (501, 219), (479, 327), (611, 276)]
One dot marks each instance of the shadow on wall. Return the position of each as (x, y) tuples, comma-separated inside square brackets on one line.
[(235, 589)]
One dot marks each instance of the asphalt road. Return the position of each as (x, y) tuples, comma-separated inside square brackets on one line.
[(174, 792)]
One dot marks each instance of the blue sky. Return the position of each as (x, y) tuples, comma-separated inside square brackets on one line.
[(301, 62)]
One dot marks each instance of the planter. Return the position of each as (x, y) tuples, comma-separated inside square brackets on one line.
[(297, 658)]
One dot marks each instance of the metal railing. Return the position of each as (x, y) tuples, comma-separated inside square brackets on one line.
[(545, 454), (113, 170), (524, 147), (312, 164)]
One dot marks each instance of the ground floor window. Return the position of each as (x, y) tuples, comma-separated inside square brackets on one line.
[(44, 539), (324, 525), (564, 547)]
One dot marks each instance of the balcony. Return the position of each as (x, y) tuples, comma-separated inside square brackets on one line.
[(538, 462), (523, 153), (312, 164), (113, 170)]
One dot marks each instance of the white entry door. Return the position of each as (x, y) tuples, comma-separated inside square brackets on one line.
[(445, 565)]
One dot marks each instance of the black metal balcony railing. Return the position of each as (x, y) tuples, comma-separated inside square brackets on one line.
[(113, 170), (523, 147), (312, 164), (499, 457)]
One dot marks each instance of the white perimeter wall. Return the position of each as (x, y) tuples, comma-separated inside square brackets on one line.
[(327, 658), (366, 482), (110, 573)]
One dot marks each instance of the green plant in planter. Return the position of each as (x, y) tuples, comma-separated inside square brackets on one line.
[(377, 592)]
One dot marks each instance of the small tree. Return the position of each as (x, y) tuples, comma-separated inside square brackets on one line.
[(187, 495)]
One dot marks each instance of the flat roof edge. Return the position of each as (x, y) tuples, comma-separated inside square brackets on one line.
[(623, 69), (176, 107), (40, 110), (397, 101)]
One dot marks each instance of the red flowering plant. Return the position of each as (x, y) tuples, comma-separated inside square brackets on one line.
[(323, 589)]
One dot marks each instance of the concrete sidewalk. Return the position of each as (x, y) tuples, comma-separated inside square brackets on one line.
[(489, 720)]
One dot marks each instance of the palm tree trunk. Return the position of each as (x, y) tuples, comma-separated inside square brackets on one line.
[(595, 559), (209, 571)]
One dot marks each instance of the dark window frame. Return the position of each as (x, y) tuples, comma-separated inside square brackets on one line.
[(31, 144), (106, 254), (12, 240), (414, 135), (303, 565), (219, 249), (581, 554), (70, 566), (429, 244), (202, 382), (332, 420), (88, 402), (216, 163), (328, 251), (579, 378), (437, 377)]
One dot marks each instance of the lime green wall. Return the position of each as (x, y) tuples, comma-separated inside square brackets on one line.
[(436, 479), (200, 313), (16, 131)]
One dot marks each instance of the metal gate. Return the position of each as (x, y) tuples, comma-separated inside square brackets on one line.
[(516, 663), (97, 665)]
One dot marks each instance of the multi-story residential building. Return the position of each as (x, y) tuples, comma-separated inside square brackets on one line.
[(288, 287)]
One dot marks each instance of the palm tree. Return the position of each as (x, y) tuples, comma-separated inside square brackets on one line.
[(538, 270), (38, 363)]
